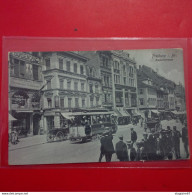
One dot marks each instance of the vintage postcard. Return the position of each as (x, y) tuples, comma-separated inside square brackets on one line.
[(97, 106)]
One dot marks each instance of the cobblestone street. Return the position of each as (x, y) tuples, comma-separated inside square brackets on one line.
[(35, 150)]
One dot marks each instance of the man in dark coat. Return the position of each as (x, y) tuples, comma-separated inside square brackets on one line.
[(133, 135), (108, 147), (121, 150), (185, 139), (176, 141), (102, 152), (152, 147)]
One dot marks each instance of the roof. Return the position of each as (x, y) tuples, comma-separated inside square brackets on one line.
[(145, 72)]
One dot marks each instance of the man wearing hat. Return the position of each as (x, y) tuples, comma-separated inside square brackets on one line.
[(185, 139), (176, 141), (131, 151), (121, 150), (133, 135), (108, 147)]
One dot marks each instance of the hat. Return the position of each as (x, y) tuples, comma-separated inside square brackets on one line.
[(105, 132), (129, 142), (120, 136)]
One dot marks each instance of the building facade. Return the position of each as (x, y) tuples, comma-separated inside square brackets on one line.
[(66, 87), (25, 80)]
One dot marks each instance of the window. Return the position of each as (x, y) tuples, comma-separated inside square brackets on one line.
[(105, 97), (61, 83), (91, 72), (76, 102), (49, 102), (76, 86), (124, 80), (140, 91), (75, 68), (91, 102), (69, 85), (48, 84), (47, 64), (16, 68), (82, 86), (22, 68), (62, 102), (105, 61), (61, 64), (50, 122), (83, 103), (81, 70), (96, 88), (35, 72), (68, 66), (69, 102), (141, 101), (97, 101), (91, 88)]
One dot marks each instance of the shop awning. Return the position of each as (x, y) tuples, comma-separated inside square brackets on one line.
[(124, 113), (25, 111), (136, 113), (118, 113), (11, 118), (178, 113), (67, 115), (155, 111)]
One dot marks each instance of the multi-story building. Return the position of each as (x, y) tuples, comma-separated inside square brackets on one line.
[(25, 80), (154, 91), (124, 74), (180, 98), (66, 87), (94, 84), (102, 60), (119, 80), (147, 94)]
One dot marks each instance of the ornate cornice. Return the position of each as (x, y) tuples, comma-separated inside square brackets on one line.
[(26, 57)]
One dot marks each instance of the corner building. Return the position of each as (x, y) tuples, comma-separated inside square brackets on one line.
[(66, 86), (25, 80)]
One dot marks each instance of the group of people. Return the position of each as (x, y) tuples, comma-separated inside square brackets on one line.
[(161, 145)]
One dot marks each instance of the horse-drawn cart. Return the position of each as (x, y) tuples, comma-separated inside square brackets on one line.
[(154, 124)]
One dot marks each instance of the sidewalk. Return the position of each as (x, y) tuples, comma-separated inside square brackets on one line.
[(28, 142)]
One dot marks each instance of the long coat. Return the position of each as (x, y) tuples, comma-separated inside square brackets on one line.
[(133, 136), (108, 145), (121, 151)]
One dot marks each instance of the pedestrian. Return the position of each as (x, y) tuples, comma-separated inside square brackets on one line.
[(185, 139), (145, 148), (145, 127), (108, 145), (133, 135), (151, 147), (131, 151), (159, 149), (139, 145), (87, 128), (141, 121), (102, 140), (121, 150), (176, 142)]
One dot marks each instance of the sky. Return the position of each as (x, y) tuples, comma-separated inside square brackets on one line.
[(167, 62)]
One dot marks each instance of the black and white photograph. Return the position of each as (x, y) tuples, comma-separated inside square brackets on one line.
[(97, 106)]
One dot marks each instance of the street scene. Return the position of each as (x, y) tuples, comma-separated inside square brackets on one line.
[(97, 106)]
